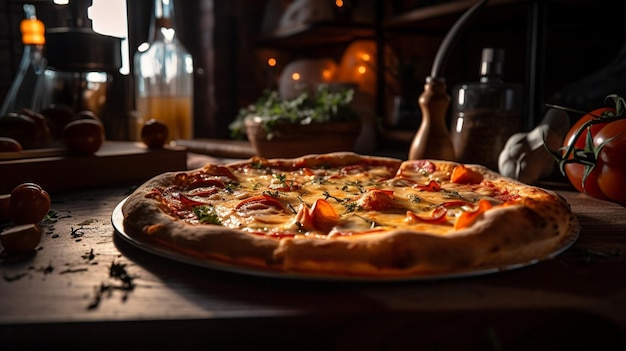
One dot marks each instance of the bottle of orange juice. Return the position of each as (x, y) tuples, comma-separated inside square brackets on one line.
[(164, 77)]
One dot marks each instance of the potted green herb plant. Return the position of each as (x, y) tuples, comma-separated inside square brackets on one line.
[(313, 122)]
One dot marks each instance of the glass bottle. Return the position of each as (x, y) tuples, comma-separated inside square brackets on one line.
[(485, 113), (164, 77), (81, 65), (25, 91)]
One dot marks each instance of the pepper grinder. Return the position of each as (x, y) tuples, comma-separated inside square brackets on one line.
[(485, 113), (432, 139)]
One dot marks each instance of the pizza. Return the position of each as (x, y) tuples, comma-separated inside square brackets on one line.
[(351, 215)]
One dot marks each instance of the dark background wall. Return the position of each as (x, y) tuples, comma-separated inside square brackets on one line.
[(579, 38)]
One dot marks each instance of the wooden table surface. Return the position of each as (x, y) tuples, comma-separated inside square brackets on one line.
[(86, 288)]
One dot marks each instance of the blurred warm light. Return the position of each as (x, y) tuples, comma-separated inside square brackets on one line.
[(339, 3), (305, 74), (358, 65), (271, 62), (328, 74), (356, 60)]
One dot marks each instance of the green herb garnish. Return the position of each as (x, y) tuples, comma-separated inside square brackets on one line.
[(274, 193), (281, 177), (327, 196), (415, 198), (206, 214), (453, 194), (350, 206), (356, 184)]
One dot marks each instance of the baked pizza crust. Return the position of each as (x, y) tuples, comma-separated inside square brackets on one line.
[(501, 236), (145, 221)]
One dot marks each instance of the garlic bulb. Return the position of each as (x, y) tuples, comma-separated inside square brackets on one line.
[(524, 156)]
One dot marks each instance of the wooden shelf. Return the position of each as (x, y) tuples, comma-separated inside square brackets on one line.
[(438, 19), (318, 33), (520, 25), (117, 162)]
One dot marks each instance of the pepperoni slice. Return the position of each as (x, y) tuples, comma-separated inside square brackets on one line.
[(420, 166), (201, 183), (437, 215), (433, 185), (260, 201)]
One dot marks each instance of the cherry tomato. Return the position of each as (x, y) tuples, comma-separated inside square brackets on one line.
[(19, 127), (606, 179), (154, 134), (9, 145), (83, 136), (58, 117), (29, 203), (21, 238), (5, 207), (87, 115), (42, 134)]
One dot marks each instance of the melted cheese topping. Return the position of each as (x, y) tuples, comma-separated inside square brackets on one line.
[(327, 202)]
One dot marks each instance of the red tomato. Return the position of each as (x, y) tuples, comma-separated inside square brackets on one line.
[(154, 134), (606, 180), (86, 114), (58, 117), (612, 161), (29, 203), (21, 238), (83, 136), (5, 207), (580, 141), (9, 145), (19, 127)]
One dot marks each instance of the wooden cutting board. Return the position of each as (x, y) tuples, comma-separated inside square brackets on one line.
[(116, 163)]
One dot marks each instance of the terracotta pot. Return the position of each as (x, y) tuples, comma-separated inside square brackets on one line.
[(294, 140)]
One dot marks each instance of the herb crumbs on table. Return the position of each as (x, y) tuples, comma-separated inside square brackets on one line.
[(588, 255), (89, 256), (15, 277), (74, 270), (77, 233), (116, 271), (47, 269)]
